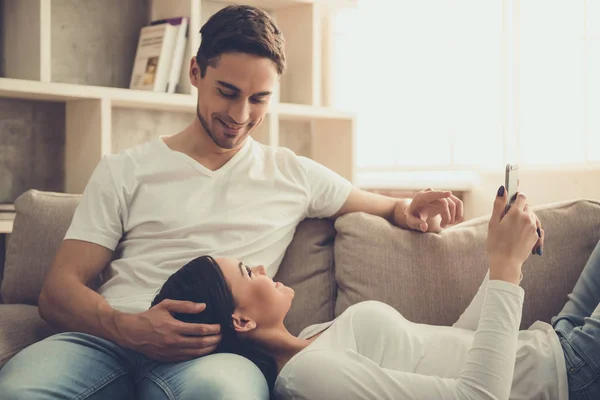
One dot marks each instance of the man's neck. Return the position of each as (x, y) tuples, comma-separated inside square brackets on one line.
[(196, 143)]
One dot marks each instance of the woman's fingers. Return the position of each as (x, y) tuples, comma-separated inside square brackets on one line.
[(537, 247), (459, 209)]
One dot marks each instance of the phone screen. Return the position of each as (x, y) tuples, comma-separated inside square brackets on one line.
[(511, 184)]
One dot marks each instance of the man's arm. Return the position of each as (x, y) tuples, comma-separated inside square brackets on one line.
[(429, 211), (376, 204), (66, 302)]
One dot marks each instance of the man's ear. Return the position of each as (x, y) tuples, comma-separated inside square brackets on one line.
[(194, 72), (242, 324)]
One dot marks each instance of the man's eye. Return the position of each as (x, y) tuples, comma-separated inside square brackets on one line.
[(249, 271), (227, 95), (262, 100)]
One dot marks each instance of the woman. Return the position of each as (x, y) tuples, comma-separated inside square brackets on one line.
[(371, 352)]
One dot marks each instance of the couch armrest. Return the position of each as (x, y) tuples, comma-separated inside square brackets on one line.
[(20, 326)]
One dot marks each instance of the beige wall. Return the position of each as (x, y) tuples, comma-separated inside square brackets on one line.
[(540, 188)]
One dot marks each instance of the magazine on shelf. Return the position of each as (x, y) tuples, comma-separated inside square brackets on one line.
[(177, 64), (156, 53)]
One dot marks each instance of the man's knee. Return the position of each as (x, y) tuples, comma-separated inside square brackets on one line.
[(234, 377), (12, 390), (218, 376), (62, 366)]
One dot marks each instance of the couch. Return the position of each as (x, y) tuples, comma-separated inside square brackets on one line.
[(429, 278)]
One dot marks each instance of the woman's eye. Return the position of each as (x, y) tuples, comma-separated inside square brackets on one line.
[(249, 271)]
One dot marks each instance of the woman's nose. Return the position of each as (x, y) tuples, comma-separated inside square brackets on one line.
[(260, 269)]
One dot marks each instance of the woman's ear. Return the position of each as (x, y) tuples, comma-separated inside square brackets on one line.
[(242, 324)]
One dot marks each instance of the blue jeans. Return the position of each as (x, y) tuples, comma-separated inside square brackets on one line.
[(81, 366), (578, 328)]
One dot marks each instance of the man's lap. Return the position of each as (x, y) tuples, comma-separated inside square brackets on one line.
[(81, 366)]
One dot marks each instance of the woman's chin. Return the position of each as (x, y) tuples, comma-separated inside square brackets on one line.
[(290, 291)]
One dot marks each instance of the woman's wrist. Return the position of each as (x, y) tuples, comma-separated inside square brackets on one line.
[(505, 270)]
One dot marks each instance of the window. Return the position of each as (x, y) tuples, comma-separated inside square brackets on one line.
[(470, 83)]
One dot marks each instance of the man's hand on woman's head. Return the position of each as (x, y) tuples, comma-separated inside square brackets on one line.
[(158, 335), (512, 237), (432, 210)]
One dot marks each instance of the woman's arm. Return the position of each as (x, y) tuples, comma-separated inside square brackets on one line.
[(486, 375), (469, 319)]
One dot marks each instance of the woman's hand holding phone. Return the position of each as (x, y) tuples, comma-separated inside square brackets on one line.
[(511, 237)]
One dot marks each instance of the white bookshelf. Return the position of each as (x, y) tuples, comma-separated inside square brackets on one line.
[(41, 38), (5, 227)]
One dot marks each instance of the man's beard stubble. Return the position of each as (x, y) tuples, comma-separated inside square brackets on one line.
[(207, 129), (212, 136)]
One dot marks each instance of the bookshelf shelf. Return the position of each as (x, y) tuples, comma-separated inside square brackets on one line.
[(6, 226), (81, 54), (125, 98), (139, 99), (302, 112)]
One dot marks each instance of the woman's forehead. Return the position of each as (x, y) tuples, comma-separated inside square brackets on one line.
[(229, 266)]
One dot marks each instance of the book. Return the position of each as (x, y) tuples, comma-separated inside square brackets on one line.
[(154, 56), (177, 64)]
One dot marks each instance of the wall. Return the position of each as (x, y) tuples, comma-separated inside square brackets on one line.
[(541, 187), (1, 41), (94, 42), (32, 142)]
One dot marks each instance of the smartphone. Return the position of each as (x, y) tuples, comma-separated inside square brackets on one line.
[(511, 184)]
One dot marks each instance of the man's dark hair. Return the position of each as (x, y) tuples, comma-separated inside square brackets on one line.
[(201, 281), (240, 29)]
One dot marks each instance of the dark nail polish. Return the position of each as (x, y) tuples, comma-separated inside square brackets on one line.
[(539, 251), (539, 233), (501, 191)]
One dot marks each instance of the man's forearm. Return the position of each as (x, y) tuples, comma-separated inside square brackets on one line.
[(390, 208), (72, 306), (400, 213)]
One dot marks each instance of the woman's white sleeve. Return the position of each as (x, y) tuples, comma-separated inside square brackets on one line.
[(486, 375), (470, 317)]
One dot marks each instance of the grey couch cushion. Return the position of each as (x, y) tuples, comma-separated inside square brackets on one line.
[(431, 278), (20, 326), (308, 268), (40, 225)]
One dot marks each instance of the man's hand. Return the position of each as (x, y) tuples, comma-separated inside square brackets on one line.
[(431, 211), (158, 335)]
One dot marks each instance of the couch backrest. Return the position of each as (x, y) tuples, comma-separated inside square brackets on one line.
[(40, 225), (44, 217), (431, 278)]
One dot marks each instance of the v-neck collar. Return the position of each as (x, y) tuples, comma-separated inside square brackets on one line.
[(198, 166)]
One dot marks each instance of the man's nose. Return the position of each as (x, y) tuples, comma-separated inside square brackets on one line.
[(240, 112)]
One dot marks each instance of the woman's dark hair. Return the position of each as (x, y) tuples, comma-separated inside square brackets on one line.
[(201, 281), (240, 29)]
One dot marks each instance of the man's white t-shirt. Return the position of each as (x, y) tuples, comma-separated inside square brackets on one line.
[(159, 208)]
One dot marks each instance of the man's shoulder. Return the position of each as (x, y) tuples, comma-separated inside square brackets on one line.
[(283, 157), (135, 155)]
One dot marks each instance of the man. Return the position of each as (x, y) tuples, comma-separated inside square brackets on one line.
[(210, 189)]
